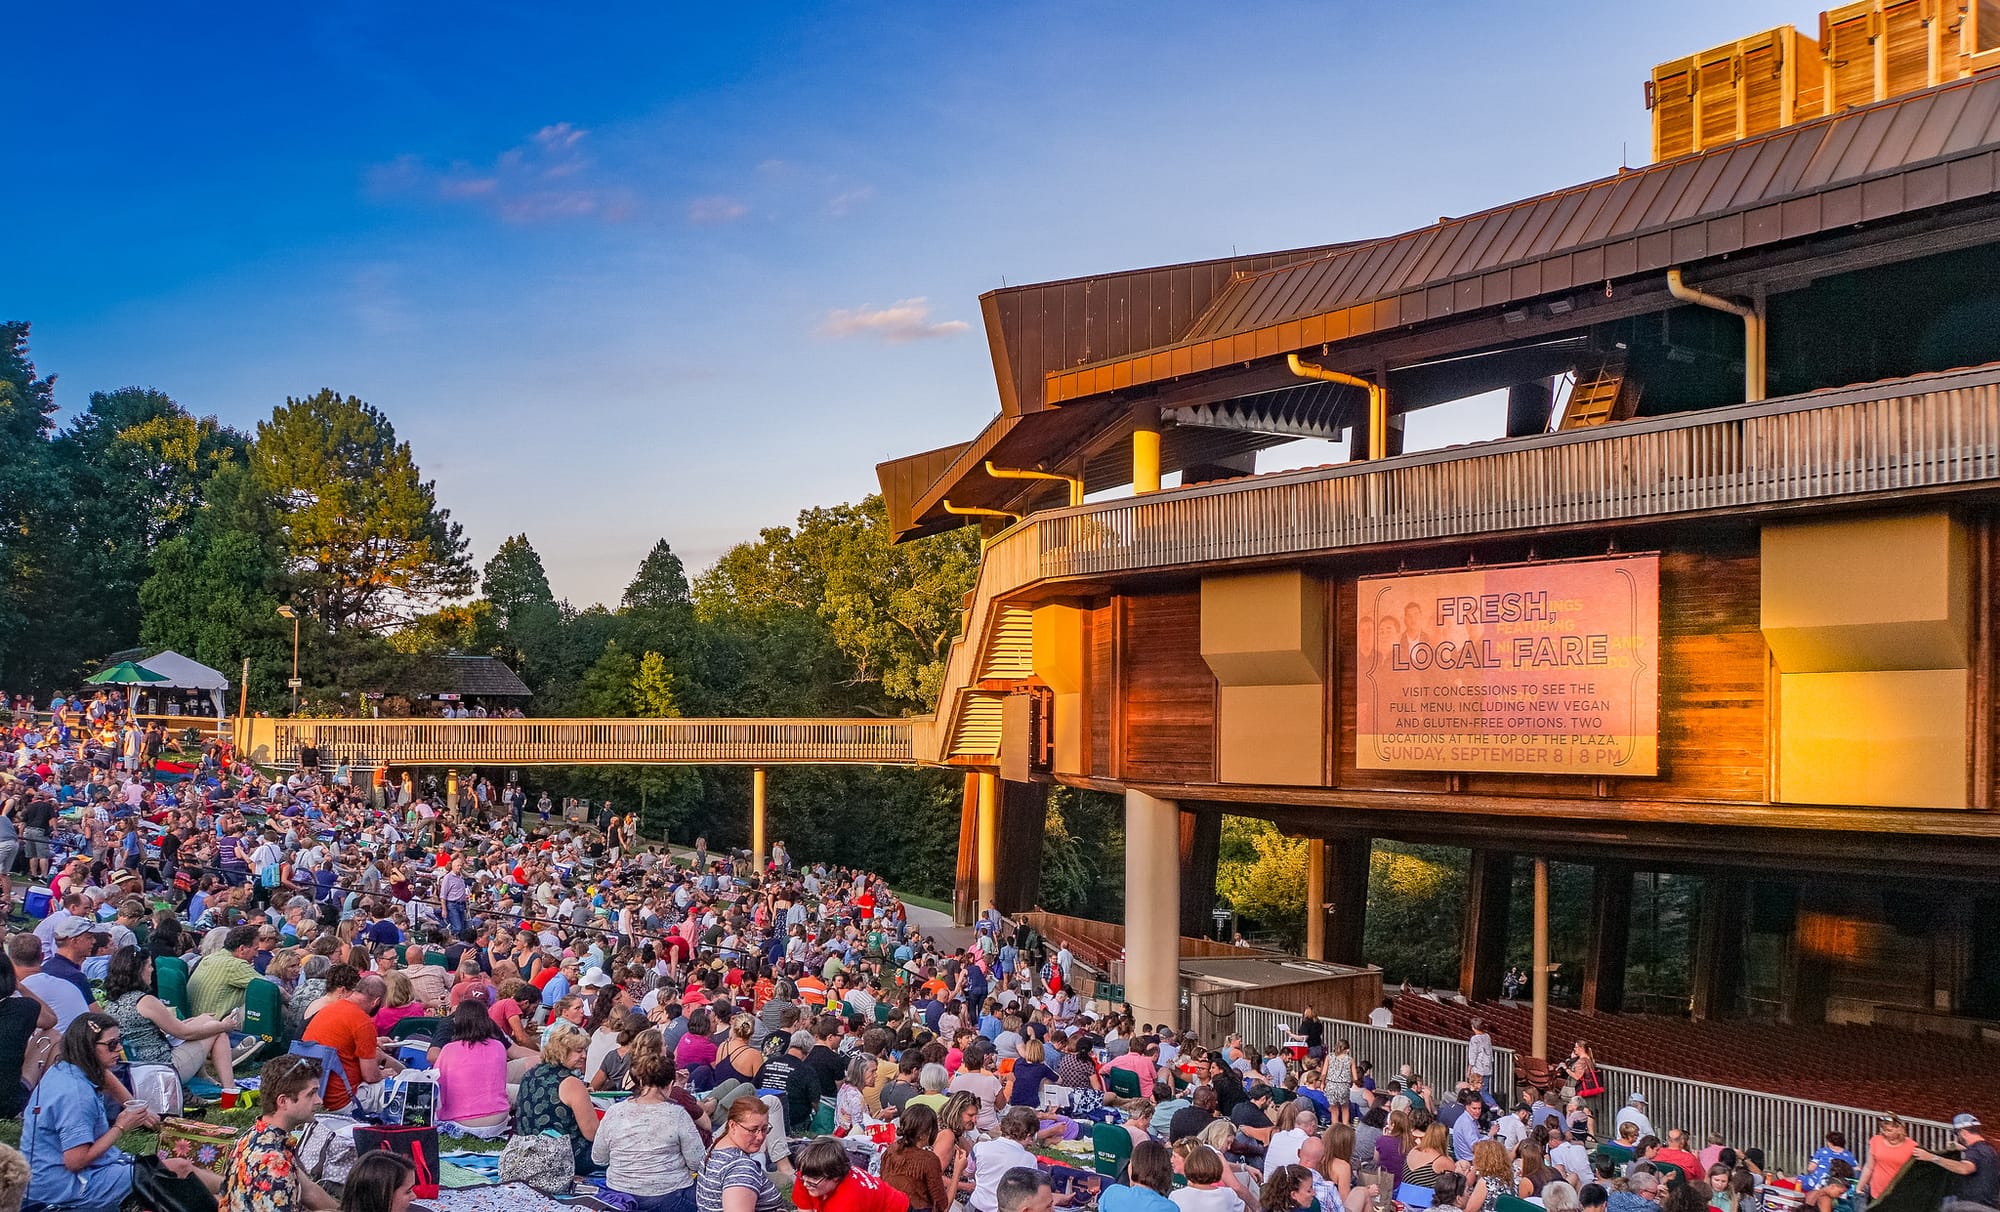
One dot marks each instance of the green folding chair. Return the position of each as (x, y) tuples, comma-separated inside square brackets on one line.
[(435, 959), (170, 973), (1125, 1084), (264, 1017), (404, 1028), (823, 1118), (1111, 1147)]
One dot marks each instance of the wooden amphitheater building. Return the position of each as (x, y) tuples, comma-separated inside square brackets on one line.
[(1720, 599)]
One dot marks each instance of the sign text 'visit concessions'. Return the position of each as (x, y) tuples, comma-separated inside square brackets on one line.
[(1531, 668)]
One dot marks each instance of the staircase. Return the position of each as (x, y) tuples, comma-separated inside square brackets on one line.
[(1601, 395)]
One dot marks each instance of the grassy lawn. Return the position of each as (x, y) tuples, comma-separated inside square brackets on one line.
[(927, 902)]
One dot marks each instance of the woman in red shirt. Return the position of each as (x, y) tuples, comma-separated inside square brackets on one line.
[(828, 1182)]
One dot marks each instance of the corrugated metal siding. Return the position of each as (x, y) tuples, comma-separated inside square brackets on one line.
[(1056, 325), (1791, 183)]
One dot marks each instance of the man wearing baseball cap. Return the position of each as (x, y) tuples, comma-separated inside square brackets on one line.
[(1978, 1167)]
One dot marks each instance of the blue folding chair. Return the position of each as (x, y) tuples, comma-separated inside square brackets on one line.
[(328, 1059)]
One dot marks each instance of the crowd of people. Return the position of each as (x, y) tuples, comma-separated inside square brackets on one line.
[(760, 1025)]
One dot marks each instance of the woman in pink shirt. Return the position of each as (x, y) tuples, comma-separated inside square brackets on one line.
[(472, 1070)]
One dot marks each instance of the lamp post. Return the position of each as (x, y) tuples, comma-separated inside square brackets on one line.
[(286, 612)]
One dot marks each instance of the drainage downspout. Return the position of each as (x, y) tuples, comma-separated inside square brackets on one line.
[(1753, 330), (974, 511), (1378, 400), (1011, 473)]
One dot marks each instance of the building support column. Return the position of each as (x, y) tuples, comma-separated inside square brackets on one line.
[(1200, 850), (451, 789), (1718, 947), (1489, 894), (1152, 908), (1316, 898), (989, 843), (1538, 1031), (1610, 937), (965, 886), (1146, 452), (1345, 907), (757, 819)]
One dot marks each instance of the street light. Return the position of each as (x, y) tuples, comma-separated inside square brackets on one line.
[(286, 612)]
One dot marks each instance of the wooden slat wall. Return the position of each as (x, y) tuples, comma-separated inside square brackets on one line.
[(1169, 722), (1712, 692), (1714, 679), (1099, 688)]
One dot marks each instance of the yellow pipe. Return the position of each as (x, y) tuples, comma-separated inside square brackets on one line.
[(1146, 454), (1378, 400), (1013, 473), (1753, 330), (974, 511)]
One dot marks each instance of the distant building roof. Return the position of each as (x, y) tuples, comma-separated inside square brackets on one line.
[(466, 675)]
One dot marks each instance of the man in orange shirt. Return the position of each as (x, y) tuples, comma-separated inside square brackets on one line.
[(347, 1025)]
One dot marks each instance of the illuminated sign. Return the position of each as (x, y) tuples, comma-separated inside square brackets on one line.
[(1527, 668)]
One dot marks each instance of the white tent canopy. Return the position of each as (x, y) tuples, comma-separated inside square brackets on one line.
[(183, 673)]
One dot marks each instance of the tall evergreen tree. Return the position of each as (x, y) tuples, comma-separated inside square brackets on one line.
[(365, 539), (29, 554)]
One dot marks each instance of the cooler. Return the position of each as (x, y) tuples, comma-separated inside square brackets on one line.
[(38, 902)]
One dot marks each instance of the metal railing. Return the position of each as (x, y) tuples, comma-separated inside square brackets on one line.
[(1440, 1061), (1787, 1129), (1932, 432), (564, 742)]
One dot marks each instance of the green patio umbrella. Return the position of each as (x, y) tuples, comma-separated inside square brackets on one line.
[(124, 673), (129, 675)]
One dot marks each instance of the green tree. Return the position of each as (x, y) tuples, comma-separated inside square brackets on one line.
[(653, 689), (365, 540), (1261, 873), (606, 690), (215, 590), (29, 505), (136, 464)]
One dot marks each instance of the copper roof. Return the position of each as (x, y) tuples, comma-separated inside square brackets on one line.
[(1910, 153)]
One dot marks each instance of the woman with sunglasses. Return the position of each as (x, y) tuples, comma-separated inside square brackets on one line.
[(74, 1161)]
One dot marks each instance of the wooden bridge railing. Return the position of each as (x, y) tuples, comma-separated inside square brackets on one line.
[(580, 742)]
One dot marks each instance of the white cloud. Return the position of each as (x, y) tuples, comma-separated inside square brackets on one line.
[(843, 203), (716, 209), (546, 178), (903, 320)]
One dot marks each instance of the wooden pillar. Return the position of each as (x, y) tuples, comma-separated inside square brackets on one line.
[(1315, 898), (1610, 936), (1808, 972), (1538, 1029), (965, 888), (1346, 906), (1200, 848), (1336, 898), (1489, 894), (757, 819), (1718, 947)]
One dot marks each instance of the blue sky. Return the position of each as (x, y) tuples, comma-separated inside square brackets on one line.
[(634, 271)]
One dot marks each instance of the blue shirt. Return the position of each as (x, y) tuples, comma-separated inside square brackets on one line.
[(1121, 1198), (555, 990), (66, 1111)]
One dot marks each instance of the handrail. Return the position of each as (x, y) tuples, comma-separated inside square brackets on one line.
[(1925, 433), (1787, 1128), (563, 742)]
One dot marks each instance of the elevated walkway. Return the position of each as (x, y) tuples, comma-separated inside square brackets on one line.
[(582, 742)]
